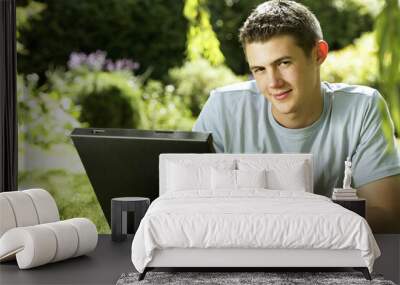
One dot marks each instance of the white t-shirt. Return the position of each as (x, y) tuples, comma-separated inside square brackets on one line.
[(241, 121)]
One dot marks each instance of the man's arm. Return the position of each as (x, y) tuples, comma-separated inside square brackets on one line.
[(383, 204)]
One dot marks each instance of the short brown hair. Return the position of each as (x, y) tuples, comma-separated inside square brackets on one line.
[(282, 17)]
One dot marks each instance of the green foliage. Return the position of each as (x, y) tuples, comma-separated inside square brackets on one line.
[(201, 39), (157, 38), (73, 194), (388, 39), (163, 109), (24, 15), (45, 116), (341, 24), (372, 7), (195, 79), (342, 21), (106, 99), (108, 108), (150, 31), (354, 64), (100, 99)]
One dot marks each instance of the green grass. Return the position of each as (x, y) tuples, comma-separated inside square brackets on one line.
[(73, 194)]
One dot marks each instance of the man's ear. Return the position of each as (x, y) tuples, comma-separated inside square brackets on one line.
[(322, 51)]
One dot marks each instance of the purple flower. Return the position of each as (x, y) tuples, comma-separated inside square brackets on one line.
[(95, 61), (125, 64), (98, 61), (109, 65), (76, 59)]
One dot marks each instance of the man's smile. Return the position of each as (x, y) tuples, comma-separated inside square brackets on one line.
[(282, 95)]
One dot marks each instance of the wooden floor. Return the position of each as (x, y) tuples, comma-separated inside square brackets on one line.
[(102, 266)]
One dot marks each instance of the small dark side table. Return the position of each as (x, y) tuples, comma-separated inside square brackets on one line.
[(119, 220), (356, 205)]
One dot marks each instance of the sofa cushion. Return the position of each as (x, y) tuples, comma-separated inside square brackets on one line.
[(7, 215), (40, 244), (26, 208)]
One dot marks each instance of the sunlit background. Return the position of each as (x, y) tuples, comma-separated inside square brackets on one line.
[(150, 64)]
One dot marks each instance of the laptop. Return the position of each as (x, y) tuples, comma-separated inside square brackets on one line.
[(124, 162)]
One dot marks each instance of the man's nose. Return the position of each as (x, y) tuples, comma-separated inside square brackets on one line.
[(274, 79)]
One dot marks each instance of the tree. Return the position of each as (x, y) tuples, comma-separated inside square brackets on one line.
[(388, 39), (202, 42), (151, 32), (342, 21)]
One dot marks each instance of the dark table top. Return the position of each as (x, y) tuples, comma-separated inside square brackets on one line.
[(102, 266)]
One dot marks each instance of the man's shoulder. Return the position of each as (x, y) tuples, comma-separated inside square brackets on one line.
[(243, 96), (348, 92), (238, 89)]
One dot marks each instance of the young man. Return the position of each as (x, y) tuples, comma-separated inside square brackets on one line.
[(288, 110)]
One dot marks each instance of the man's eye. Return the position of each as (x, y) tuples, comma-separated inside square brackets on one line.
[(285, 63), (258, 70)]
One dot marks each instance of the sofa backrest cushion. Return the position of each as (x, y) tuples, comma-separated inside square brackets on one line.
[(26, 208)]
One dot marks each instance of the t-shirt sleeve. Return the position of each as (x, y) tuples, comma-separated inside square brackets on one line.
[(377, 154), (209, 120)]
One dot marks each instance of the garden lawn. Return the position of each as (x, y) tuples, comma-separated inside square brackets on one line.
[(72, 192)]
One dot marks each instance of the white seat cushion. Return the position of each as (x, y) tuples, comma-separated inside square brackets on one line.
[(46, 207), (7, 220), (66, 237), (32, 246), (23, 208), (26, 208), (87, 234), (40, 244)]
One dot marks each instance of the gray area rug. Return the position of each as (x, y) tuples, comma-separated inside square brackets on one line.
[(269, 278)]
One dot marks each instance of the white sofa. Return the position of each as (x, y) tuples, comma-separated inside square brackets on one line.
[(31, 231)]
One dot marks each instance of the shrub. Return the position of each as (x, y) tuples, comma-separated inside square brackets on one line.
[(195, 79), (108, 108), (45, 116), (163, 109), (107, 91), (355, 64)]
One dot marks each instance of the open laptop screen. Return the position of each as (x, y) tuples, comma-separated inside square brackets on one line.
[(124, 162)]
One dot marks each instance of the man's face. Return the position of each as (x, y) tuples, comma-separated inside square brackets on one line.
[(285, 75)]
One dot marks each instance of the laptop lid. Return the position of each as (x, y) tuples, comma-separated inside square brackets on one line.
[(125, 162)]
